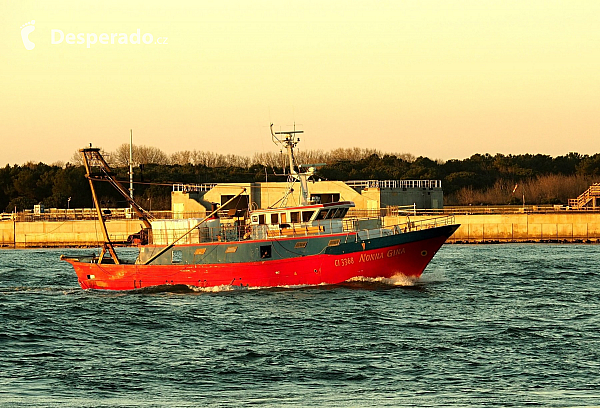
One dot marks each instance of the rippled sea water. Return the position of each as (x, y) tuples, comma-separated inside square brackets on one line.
[(496, 325)]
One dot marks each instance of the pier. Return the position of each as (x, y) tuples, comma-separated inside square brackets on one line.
[(530, 224), (78, 228)]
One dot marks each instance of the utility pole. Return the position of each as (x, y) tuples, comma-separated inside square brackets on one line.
[(130, 164)]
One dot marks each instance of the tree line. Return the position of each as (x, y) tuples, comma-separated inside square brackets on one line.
[(481, 179), (153, 155)]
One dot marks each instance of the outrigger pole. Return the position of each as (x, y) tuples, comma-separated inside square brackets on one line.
[(98, 170), (165, 249)]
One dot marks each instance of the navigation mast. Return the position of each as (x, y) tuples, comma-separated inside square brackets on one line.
[(289, 140)]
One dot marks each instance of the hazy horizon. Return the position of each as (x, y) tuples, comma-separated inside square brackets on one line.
[(443, 80)]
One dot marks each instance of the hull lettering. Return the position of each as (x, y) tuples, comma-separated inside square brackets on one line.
[(395, 252), (371, 257)]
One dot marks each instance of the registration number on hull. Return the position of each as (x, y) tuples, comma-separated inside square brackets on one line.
[(344, 261)]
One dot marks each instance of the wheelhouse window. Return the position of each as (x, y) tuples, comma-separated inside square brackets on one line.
[(295, 216), (326, 214), (306, 215), (325, 198), (261, 219), (340, 213), (322, 214), (274, 218)]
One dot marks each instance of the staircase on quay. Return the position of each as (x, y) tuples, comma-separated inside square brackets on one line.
[(590, 198)]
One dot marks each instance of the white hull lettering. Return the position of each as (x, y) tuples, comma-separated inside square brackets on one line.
[(395, 252), (344, 261), (371, 257)]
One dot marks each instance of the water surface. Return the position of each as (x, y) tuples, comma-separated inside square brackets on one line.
[(498, 325)]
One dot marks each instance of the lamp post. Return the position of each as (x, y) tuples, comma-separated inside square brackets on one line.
[(68, 203), (15, 228)]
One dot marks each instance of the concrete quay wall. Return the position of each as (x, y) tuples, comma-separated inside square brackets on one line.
[(86, 233), (548, 227), (535, 227)]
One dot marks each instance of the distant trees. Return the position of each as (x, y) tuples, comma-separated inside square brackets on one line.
[(27, 185), (153, 155), (485, 179), (140, 154), (545, 189), (479, 179)]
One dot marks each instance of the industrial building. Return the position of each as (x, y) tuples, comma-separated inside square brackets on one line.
[(195, 200)]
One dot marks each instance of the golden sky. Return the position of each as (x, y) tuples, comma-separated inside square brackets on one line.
[(442, 79)]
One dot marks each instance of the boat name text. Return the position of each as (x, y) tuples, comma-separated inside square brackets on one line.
[(380, 255), (395, 252)]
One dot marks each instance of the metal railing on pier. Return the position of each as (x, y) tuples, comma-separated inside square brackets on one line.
[(508, 209), (592, 194), (73, 214), (394, 184), (54, 214), (187, 188)]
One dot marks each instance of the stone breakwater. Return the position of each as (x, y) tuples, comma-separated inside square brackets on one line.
[(477, 228)]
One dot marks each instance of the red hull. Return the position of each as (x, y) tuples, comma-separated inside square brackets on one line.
[(408, 259)]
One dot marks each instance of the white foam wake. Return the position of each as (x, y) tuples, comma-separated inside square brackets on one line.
[(396, 280), (220, 288), (231, 288)]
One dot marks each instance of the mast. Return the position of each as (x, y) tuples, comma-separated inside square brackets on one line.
[(289, 141)]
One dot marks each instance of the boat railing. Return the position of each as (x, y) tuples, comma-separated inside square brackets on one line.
[(432, 222), (353, 228), (408, 226)]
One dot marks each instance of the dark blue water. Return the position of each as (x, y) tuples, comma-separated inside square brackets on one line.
[(497, 325)]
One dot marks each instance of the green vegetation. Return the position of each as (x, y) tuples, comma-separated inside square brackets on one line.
[(480, 179)]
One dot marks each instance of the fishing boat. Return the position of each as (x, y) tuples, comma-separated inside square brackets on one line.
[(308, 244)]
